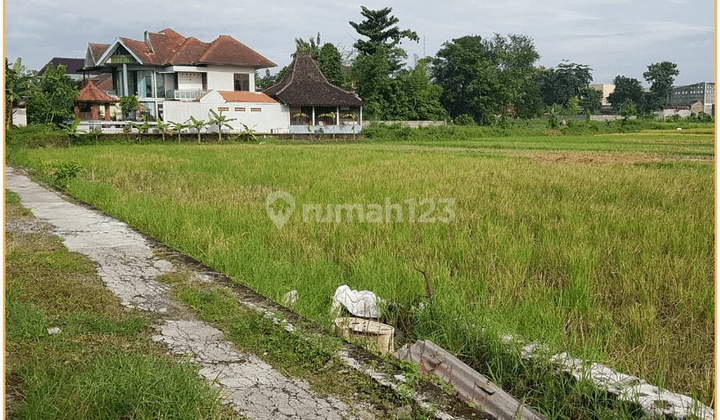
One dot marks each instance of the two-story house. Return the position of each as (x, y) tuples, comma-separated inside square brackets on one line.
[(166, 66)]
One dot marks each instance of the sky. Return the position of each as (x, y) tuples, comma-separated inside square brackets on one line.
[(613, 37)]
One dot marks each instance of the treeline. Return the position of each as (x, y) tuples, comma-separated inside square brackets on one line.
[(471, 79)]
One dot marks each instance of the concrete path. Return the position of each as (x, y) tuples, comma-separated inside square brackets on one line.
[(127, 265)]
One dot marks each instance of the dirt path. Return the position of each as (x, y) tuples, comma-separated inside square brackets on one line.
[(128, 267)]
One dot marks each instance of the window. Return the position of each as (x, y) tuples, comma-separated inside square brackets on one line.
[(242, 82), (239, 109), (223, 108), (255, 109)]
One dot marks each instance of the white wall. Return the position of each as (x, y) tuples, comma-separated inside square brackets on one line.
[(218, 77), (271, 117), (189, 81), (222, 78)]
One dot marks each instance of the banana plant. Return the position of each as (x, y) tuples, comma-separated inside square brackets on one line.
[(248, 134), (197, 125), (141, 128), (221, 121), (72, 130), (164, 127), (178, 127)]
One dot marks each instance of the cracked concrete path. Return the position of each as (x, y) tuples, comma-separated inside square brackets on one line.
[(128, 267)]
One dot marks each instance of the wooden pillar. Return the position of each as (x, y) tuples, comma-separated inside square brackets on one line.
[(77, 111)]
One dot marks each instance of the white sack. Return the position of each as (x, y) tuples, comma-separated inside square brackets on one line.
[(362, 303)]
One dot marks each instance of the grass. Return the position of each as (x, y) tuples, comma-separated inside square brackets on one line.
[(103, 363), (612, 263), (299, 353)]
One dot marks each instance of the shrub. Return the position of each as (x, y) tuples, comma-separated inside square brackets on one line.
[(464, 119)]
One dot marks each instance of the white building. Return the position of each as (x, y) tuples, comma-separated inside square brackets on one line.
[(167, 67), (176, 77)]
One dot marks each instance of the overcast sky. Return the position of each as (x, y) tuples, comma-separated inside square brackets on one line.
[(613, 37)]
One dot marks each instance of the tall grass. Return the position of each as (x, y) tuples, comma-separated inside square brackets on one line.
[(613, 263)]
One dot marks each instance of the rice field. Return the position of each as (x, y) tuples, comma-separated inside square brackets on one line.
[(604, 251)]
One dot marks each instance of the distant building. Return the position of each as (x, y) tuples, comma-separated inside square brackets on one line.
[(606, 90), (74, 67), (688, 95)]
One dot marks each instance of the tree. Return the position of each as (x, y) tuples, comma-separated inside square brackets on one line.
[(626, 88), (560, 84), (379, 60), (573, 106), (330, 62), (383, 36), (590, 100), (484, 78), (267, 80), (628, 110), (17, 86), (372, 75), (54, 98), (127, 103), (661, 77), (415, 96)]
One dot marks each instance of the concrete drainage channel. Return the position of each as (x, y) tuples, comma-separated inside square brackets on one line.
[(128, 266)]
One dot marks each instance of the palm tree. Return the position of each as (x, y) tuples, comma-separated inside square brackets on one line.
[(220, 120)]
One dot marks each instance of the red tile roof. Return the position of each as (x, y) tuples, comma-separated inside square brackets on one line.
[(167, 47), (103, 81), (92, 93), (97, 50), (188, 52), (246, 97), (227, 50)]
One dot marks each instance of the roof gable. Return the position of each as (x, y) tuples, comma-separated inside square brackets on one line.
[(305, 84), (168, 47)]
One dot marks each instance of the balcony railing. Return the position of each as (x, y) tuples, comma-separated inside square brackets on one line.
[(186, 95)]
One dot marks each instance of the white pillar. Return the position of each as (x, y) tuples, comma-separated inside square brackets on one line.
[(313, 117), (337, 117), (360, 118), (126, 91)]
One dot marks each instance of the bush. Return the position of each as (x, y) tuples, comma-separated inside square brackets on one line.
[(63, 173), (464, 119)]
